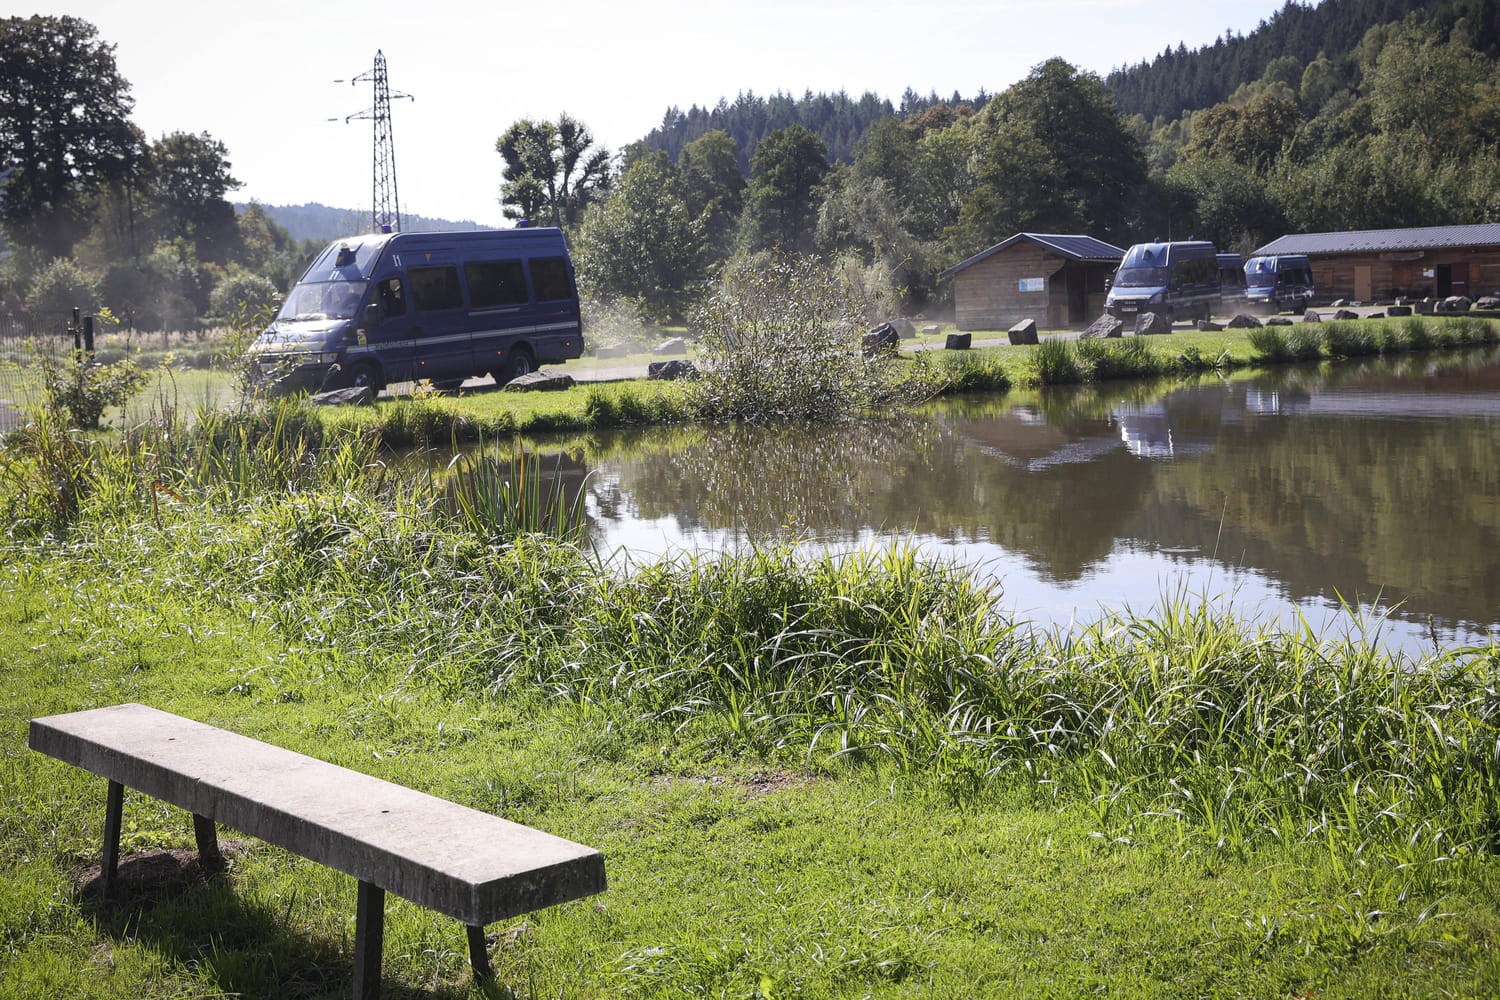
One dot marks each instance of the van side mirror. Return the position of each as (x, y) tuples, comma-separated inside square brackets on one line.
[(374, 313)]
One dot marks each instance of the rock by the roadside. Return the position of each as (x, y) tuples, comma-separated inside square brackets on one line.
[(1104, 326), (883, 339), (1150, 324), (1487, 302), (612, 351), (1280, 321), (1208, 326), (1243, 321), (1398, 311), (905, 329), (675, 345), (540, 380), (1312, 316), (1423, 307), (1375, 315), (1455, 303), (671, 370), (1024, 332), (932, 328), (959, 341), (361, 395), (1343, 314)]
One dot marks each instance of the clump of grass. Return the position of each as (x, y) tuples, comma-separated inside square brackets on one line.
[(965, 371), (1345, 339), (496, 498), (626, 406), (1054, 363), (1129, 357)]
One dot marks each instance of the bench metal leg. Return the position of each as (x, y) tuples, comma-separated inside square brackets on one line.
[(479, 955), (114, 809), (369, 941), (210, 860)]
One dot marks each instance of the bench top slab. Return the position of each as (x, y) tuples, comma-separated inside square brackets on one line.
[(459, 861)]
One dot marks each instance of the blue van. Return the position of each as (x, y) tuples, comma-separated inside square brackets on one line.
[(1174, 280), (1278, 283), (1231, 282), (399, 307)]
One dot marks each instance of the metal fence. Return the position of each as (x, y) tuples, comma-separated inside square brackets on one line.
[(26, 345)]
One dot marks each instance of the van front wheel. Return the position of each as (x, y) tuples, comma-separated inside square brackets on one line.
[(516, 364)]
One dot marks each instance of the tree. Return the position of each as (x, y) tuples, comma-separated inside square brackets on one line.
[(1096, 163), (551, 169), (189, 179), (713, 188), (64, 127), (781, 202), (642, 242)]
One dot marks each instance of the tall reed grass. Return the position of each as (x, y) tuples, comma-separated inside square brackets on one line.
[(1359, 338)]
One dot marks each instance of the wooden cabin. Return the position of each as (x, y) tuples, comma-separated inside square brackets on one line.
[(1059, 281), (1383, 264)]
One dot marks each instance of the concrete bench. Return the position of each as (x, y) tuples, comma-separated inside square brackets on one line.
[(467, 864)]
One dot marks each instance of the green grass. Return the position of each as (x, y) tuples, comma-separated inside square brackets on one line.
[(810, 775)]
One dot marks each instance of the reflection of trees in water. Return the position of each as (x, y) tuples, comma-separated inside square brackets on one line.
[(1269, 473)]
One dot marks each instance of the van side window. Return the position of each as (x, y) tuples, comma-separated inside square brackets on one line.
[(550, 276), (434, 288), (495, 283), (390, 297)]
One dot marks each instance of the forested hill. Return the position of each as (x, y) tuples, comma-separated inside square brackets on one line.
[(838, 119), (320, 223), (1181, 80)]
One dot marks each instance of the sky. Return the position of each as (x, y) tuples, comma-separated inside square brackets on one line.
[(261, 77)]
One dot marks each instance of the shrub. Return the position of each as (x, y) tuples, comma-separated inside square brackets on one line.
[(781, 340), (1053, 363)]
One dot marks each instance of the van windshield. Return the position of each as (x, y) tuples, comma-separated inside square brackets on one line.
[(1261, 279), (1141, 277), (324, 300)]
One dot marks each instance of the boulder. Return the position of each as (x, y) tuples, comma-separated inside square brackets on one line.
[(1208, 326), (612, 351), (676, 345), (671, 370), (1104, 326), (1345, 314), (1280, 321), (361, 395), (1150, 324), (959, 341), (882, 339), (540, 380), (1312, 316), (1024, 332), (1398, 311), (1243, 321), (932, 328), (1375, 315), (1487, 302), (1455, 303), (905, 329), (1423, 307)]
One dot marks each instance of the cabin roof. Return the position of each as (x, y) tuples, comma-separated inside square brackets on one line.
[(1384, 240), (1079, 248)]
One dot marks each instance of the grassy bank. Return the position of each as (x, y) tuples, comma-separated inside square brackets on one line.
[(811, 776)]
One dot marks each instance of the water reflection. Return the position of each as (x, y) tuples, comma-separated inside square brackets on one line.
[(1375, 484)]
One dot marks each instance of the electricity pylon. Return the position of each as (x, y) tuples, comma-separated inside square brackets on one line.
[(385, 204)]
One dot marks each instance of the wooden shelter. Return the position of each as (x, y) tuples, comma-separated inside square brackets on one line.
[(1059, 281), (1378, 264)]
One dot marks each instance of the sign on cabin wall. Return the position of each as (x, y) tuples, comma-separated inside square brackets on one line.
[(1032, 285)]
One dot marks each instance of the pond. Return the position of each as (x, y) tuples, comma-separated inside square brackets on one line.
[(1364, 495)]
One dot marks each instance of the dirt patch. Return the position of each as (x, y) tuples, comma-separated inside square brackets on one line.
[(152, 876)]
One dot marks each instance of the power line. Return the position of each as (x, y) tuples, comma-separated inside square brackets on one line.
[(385, 204)]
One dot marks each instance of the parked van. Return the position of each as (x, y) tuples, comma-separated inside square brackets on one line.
[(1231, 283), (1278, 283), (398, 307), (1174, 280)]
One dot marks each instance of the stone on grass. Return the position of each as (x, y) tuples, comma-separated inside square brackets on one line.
[(1398, 311), (959, 341), (540, 380), (1244, 321), (932, 328), (1105, 326), (1150, 324), (671, 370), (1454, 304), (883, 339), (1346, 314), (1208, 326), (1312, 316), (361, 395), (1279, 321), (675, 345), (1024, 332)]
